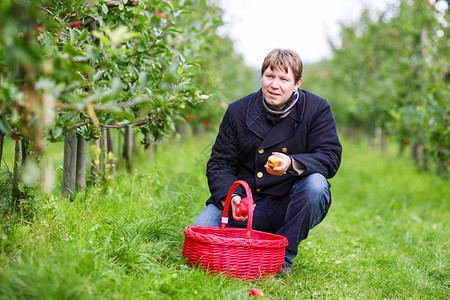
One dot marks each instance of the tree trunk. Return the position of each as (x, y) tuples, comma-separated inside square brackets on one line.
[(128, 147), (15, 184), (24, 151), (80, 179), (402, 148), (110, 146), (2, 137), (380, 138), (95, 159), (120, 146), (425, 159), (415, 153), (70, 161), (103, 156)]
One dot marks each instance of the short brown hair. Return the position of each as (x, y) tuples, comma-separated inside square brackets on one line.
[(284, 59)]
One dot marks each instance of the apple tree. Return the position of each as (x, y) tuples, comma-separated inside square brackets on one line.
[(74, 70), (390, 76)]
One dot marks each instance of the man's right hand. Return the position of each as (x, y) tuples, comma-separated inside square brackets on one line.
[(235, 201)]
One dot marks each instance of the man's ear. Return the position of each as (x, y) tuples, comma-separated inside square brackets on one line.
[(299, 83)]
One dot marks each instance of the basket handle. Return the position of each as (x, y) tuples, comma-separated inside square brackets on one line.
[(226, 207)]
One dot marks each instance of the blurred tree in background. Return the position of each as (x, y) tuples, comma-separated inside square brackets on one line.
[(390, 76)]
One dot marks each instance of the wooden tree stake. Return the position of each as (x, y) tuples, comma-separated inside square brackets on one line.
[(128, 147), (70, 160), (2, 137), (80, 180), (15, 184), (110, 146), (103, 154)]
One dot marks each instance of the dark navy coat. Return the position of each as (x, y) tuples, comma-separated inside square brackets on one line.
[(247, 138)]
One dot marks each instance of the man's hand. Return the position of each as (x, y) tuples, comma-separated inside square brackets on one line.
[(235, 201), (281, 169)]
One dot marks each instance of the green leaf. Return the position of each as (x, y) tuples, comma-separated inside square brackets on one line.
[(116, 87), (73, 37), (83, 36), (105, 9), (98, 75), (180, 69), (102, 37), (121, 35), (142, 80), (5, 127), (57, 132)]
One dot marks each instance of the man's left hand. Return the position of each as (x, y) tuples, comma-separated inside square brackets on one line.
[(278, 171)]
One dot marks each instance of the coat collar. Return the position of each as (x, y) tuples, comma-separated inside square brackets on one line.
[(273, 134)]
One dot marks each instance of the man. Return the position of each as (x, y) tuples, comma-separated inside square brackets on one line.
[(293, 123)]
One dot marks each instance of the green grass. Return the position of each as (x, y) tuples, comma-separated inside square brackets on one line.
[(53, 152), (386, 236)]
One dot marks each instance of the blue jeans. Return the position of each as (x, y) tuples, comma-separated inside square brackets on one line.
[(292, 215)]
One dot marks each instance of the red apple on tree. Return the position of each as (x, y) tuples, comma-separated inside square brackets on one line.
[(274, 160), (75, 24)]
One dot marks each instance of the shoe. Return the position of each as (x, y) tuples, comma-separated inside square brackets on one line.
[(284, 270)]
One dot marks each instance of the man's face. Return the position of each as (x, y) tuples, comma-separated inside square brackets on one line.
[(278, 86)]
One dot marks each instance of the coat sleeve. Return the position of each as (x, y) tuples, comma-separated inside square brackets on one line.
[(223, 164), (324, 150)]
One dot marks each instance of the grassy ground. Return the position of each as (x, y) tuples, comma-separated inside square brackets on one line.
[(386, 236)]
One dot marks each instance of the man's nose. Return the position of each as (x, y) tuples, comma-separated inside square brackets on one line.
[(275, 83)]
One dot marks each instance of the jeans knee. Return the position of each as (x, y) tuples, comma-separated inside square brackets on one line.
[(318, 185), (314, 192), (209, 216), (314, 186)]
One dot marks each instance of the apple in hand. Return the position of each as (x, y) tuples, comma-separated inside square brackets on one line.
[(242, 209), (274, 160), (256, 292)]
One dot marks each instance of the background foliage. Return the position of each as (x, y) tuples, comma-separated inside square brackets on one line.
[(87, 66), (79, 65), (391, 74)]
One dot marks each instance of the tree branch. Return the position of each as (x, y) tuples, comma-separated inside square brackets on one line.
[(118, 2), (175, 42), (107, 106), (161, 34), (141, 122)]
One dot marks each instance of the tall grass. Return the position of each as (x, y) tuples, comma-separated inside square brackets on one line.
[(385, 236)]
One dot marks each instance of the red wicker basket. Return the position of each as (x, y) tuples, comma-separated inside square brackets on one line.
[(242, 253)]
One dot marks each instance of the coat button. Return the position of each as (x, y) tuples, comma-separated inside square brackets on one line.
[(284, 150), (259, 174), (261, 151), (258, 190)]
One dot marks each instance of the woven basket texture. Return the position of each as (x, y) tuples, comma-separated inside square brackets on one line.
[(229, 253), (242, 253)]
